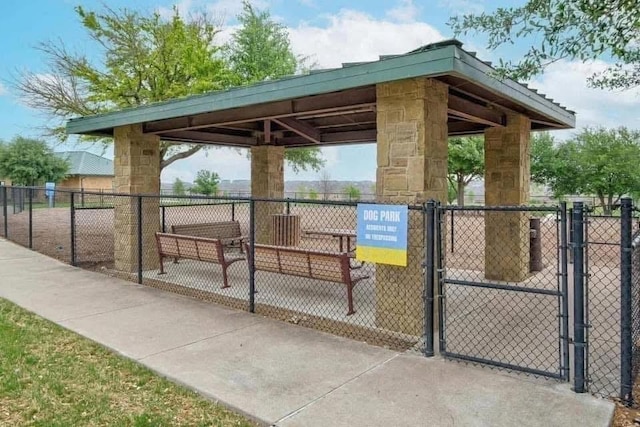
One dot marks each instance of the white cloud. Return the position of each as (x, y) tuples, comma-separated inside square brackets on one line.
[(356, 36), (3, 90), (566, 82), (461, 7), (406, 11)]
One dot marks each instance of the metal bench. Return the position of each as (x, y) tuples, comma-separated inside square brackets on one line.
[(228, 232), (177, 246), (319, 265)]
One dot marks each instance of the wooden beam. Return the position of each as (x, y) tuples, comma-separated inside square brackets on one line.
[(332, 138), (209, 138), (344, 120), (326, 103), (266, 132), (301, 128), (471, 111), (465, 128)]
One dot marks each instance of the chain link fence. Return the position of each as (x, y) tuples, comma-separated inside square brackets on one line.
[(504, 288), (503, 278)]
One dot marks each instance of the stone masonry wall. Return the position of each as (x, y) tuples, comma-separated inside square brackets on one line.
[(507, 178), (267, 181), (137, 171), (412, 168)]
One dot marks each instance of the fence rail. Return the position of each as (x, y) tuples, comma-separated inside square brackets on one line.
[(588, 262)]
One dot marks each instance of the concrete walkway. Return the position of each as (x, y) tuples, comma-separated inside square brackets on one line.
[(279, 373)]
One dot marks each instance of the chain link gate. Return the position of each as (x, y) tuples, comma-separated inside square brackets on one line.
[(495, 306)]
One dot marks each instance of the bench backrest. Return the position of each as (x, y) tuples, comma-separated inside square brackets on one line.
[(198, 248), (333, 267), (210, 230)]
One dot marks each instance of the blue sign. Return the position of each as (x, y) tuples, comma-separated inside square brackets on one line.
[(382, 234), (49, 189)]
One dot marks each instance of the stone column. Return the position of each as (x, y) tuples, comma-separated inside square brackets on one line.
[(267, 181), (137, 171), (506, 183), (412, 168)]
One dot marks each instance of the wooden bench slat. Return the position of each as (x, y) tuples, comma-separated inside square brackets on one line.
[(319, 265), (179, 246)]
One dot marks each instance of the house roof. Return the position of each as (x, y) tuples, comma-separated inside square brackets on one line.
[(336, 106), (85, 163)]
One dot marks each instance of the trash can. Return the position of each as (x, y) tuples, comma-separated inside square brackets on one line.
[(535, 245)]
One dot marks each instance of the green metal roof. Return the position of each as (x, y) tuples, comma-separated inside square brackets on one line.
[(86, 164), (444, 60)]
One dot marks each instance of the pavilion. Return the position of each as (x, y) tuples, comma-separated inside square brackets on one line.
[(407, 104)]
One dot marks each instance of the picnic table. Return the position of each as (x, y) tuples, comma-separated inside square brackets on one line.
[(341, 234)]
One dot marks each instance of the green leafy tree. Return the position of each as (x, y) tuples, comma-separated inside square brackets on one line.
[(465, 163), (559, 29), (30, 162), (452, 192), (206, 183), (352, 192), (313, 194), (261, 50), (597, 161), (178, 187), (134, 60)]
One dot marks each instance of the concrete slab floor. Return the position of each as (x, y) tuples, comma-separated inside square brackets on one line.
[(279, 373)]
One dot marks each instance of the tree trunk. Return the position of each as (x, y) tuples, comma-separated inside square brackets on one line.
[(460, 194), (603, 203), (610, 204)]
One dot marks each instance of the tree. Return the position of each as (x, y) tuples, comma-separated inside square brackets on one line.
[(261, 50), (325, 183), (452, 192), (559, 29), (466, 163), (313, 194), (352, 192), (136, 60), (206, 183), (178, 187), (30, 162), (598, 161)]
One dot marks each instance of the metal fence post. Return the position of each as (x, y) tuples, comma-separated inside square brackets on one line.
[(5, 202), (442, 344), (564, 288), (288, 207), (429, 209), (140, 239), (626, 306), (73, 228), (251, 255), (452, 231), (233, 211), (578, 295), (30, 200), (164, 226)]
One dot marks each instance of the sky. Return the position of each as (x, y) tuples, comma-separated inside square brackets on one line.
[(330, 32)]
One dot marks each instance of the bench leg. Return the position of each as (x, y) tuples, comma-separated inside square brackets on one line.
[(175, 260), (350, 300), (162, 266), (225, 279)]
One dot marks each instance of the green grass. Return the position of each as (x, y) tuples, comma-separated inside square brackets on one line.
[(52, 377)]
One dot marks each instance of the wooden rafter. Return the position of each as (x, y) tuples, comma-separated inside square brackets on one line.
[(470, 111), (301, 128)]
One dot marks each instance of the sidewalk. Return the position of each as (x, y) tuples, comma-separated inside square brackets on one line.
[(279, 373)]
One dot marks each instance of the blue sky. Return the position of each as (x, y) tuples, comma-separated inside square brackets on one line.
[(330, 31)]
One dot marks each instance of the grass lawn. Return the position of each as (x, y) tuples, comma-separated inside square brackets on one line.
[(52, 377)]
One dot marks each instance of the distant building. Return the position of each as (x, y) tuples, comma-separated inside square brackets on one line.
[(87, 171)]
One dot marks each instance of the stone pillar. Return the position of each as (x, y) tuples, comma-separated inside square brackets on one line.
[(267, 181), (412, 168), (506, 183), (137, 171)]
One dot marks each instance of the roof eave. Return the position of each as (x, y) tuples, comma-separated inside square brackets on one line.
[(473, 69), (430, 63)]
